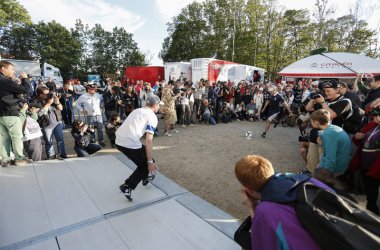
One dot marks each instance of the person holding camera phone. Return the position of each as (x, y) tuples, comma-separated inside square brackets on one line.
[(84, 139), (50, 110)]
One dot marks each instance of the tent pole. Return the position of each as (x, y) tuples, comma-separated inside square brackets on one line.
[(339, 63)]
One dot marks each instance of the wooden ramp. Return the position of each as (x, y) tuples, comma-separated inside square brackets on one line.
[(76, 204)]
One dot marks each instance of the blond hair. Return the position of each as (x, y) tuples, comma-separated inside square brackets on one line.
[(253, 171)]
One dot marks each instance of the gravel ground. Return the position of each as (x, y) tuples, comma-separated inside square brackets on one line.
[(202, 158)]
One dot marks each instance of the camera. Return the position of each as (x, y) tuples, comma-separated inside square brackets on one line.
[(375, 111), (183, 89), (50, 96), (146, 89), (315, 95)]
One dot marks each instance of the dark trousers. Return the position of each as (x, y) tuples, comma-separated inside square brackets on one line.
[(138, 156), (372, 192), (87, 151), (33, 149)]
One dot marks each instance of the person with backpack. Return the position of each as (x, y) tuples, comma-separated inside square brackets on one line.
[(295, 211), (274, 223)]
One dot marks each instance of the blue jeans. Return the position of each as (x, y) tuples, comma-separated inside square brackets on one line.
[(48, 133), (209, 119), (87, 151), (97, 122)]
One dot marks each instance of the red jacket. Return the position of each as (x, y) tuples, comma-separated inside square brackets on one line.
[(374, 170)]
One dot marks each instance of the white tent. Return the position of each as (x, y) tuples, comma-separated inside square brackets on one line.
[(332, 65)]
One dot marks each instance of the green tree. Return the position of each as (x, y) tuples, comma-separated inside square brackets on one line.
[(56, 45), (15, 30), (187, 36)]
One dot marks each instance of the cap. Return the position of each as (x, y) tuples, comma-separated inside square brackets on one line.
[(261, 89), (329, 83), (153, 99), (315, 83), (91, 85)]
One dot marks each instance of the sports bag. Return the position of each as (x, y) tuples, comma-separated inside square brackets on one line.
[(334, 221)]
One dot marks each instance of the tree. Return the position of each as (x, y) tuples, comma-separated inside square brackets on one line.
[(56, 45), (14, 30)]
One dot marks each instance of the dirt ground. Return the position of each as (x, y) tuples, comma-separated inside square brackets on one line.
[(202, 158)]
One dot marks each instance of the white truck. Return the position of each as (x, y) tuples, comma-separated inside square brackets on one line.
[(177, 71), (37, 70)]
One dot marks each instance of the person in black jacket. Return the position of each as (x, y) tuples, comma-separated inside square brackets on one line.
[(112, 101), (11, 99), (84, 139)]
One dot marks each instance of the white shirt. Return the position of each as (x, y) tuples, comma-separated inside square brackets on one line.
[(139, 122), (258, 98), (90, 103)]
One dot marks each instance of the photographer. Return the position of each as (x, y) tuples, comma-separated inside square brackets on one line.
[(66, 98), (130, 101), (50, 111), (226, 113), (206, 112), (10, 124), (112, 102), (84, 139)]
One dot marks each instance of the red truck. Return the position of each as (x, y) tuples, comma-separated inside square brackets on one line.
[(149, 74)]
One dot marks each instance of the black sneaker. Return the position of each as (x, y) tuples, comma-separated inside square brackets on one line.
[(146, 181), (126, 190), (263, 135)]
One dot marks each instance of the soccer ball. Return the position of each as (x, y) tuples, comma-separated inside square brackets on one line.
[(248, 135)]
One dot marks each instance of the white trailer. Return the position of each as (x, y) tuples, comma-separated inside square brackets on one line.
[(177, 71), (238, 72), (49, 70), (199, 69)]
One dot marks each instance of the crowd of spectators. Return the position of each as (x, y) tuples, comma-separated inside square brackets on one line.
[(329, 114)]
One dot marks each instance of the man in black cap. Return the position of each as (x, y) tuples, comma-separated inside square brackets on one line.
[(140, 122), (339, 107)]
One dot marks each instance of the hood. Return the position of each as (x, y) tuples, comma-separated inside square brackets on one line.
[(282, 188)]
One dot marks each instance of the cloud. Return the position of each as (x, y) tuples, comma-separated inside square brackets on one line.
[(90, 12), (170, 8)]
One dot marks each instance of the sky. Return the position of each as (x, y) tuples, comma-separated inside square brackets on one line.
[(147, 19)]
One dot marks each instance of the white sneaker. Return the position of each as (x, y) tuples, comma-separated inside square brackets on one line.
[(183, 126), (191, 125), (167, 134), (175, 131)]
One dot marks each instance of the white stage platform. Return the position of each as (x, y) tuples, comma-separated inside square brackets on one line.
[(76, 204)]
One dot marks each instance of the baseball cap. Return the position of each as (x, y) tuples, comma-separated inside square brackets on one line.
[(329, 83), (91, 85), (153, 99)]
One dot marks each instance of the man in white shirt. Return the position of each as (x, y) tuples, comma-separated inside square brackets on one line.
[(90, 104), (140, 122)]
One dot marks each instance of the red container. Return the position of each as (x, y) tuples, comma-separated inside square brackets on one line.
[(149, 74)]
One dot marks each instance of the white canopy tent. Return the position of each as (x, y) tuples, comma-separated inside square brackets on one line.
[(332, 65)]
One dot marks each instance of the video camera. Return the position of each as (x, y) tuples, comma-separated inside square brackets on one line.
[(375, 111)]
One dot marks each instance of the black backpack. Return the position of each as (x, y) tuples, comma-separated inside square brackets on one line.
[(334, 221)]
